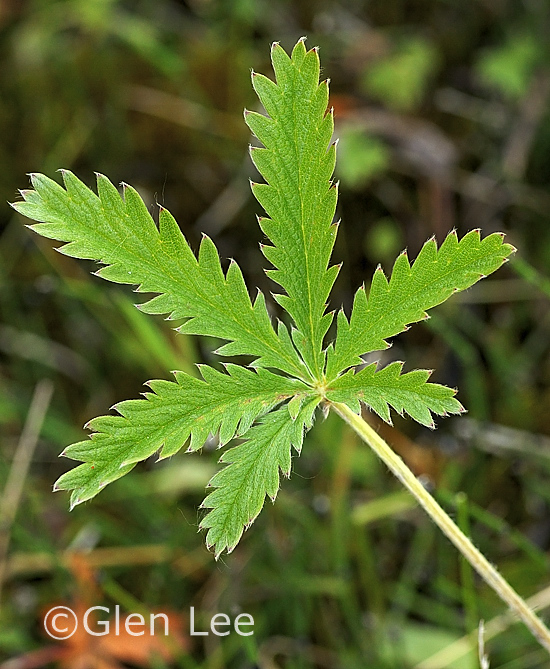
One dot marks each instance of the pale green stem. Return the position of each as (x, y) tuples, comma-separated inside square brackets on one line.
[(478, 561)]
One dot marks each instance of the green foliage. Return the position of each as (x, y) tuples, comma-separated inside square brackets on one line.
[(299, 197), (167, 418), (383, 240), (297, 162), (393, 305), (360, 157), (509, 67), (251, 474), (409, 393), (400, 79), (120, 233)]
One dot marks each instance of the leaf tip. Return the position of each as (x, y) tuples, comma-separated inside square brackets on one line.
[(74, 502)]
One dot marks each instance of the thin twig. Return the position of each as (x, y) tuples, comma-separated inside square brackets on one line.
[(11, 497), (462, 646), (483, 659), (478, 561)]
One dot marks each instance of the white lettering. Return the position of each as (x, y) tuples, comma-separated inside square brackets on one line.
[(192, 624), (215, 623), (238, 622), (154, 616), (105, 623), (130, 623)]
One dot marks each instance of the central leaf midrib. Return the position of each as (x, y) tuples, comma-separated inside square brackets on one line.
[(313, 343), (172, 425), (253, 466)]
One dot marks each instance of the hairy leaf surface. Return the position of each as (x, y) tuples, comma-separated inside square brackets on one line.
[(410, 393), (252, 472), (170, 415), (299, 197), (120, 233), (393, 305)]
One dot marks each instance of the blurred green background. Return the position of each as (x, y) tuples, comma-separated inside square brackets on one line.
[(442, 110)]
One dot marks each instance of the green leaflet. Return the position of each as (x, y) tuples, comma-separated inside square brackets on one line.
[(120, 233), (252, 472), (299, 197), (392, 306), (172, 413), (408, 392)]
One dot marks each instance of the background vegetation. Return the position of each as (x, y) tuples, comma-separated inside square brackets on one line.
[(443, 116)]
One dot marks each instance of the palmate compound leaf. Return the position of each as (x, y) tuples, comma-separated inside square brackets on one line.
[(393, 305), (120, 233), (297, 163), (170, 415), (410, 393), (252, 472), (299, 198)]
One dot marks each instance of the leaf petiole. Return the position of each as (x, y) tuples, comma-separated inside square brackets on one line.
[(440, 517)]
